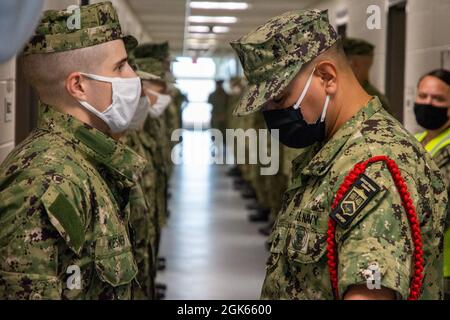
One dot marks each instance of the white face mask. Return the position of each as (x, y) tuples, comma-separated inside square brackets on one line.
[(125, 98), (161, 104), (141, 114)]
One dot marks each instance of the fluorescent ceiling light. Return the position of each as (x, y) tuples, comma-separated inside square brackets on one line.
[(221, 29), (211, 19), (199, 29), (219, 5)]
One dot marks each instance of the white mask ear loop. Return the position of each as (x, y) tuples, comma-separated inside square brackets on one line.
[(157, 94), (305, 90), (325, 108)]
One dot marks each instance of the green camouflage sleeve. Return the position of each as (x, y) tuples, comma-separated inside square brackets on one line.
[(442, 159), (40, 219), (376, 249)]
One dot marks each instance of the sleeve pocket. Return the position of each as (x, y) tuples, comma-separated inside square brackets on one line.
[(114, 260)]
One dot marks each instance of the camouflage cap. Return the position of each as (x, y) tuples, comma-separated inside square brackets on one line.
[(147, 76), (274, 53), (78, 28), (152, 66), (158, 51), (357, 47)]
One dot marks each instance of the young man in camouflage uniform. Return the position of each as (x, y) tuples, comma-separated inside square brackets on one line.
[(143, 218), (64, 191), (300, 78)]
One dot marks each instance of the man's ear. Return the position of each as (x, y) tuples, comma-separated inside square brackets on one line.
[(76, 86), (327, 71)]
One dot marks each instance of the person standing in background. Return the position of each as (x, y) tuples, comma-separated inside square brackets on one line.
[(219, 101), (432, 111)]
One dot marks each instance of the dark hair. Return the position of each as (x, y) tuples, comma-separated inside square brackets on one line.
[(441, 74), (336, 51)]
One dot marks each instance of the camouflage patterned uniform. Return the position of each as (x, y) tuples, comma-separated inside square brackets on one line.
[(439, 148), (142, 219), (64, 201), (297, 267), (143, 205), (218, 99), (156, 144), (158, 60), (262, 184), (379, 232), (64, 191)]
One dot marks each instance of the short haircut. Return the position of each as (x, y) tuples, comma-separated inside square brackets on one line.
[(47, 72), (335, 53)]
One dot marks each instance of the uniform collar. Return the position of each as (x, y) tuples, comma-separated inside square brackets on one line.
[(322, 161), (95, 145)]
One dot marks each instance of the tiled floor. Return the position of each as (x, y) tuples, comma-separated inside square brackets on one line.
[(212, 251)]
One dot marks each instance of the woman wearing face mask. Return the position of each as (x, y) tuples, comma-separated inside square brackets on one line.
[(432, 110)]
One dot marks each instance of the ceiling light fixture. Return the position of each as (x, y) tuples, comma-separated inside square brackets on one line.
[(214, 5), (221, 29), (211, 19), (199, 29)]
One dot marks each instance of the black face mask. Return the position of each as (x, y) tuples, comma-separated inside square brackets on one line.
[(429, 116), (294, 131)]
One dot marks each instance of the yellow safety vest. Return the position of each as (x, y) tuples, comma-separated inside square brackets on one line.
[(433, 147), (437, 143)]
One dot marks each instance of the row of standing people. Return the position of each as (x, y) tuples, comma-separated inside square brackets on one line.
[(83, 198)]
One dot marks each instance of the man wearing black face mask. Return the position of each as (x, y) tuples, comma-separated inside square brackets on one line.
[(432, 110), (337, 235)]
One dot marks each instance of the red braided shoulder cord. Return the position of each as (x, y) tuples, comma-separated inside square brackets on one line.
[(358, 169)]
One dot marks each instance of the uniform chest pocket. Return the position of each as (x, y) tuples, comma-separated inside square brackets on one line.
[(305, 245), (114, 260)]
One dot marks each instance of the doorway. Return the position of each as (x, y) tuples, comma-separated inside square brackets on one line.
[(395, 58)]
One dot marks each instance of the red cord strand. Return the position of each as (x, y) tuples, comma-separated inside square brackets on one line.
[(358, 169)]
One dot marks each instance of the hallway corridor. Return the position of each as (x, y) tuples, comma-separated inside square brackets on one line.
[(212, 250)]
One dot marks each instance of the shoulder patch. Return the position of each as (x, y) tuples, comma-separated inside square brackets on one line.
[(354, 200)]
